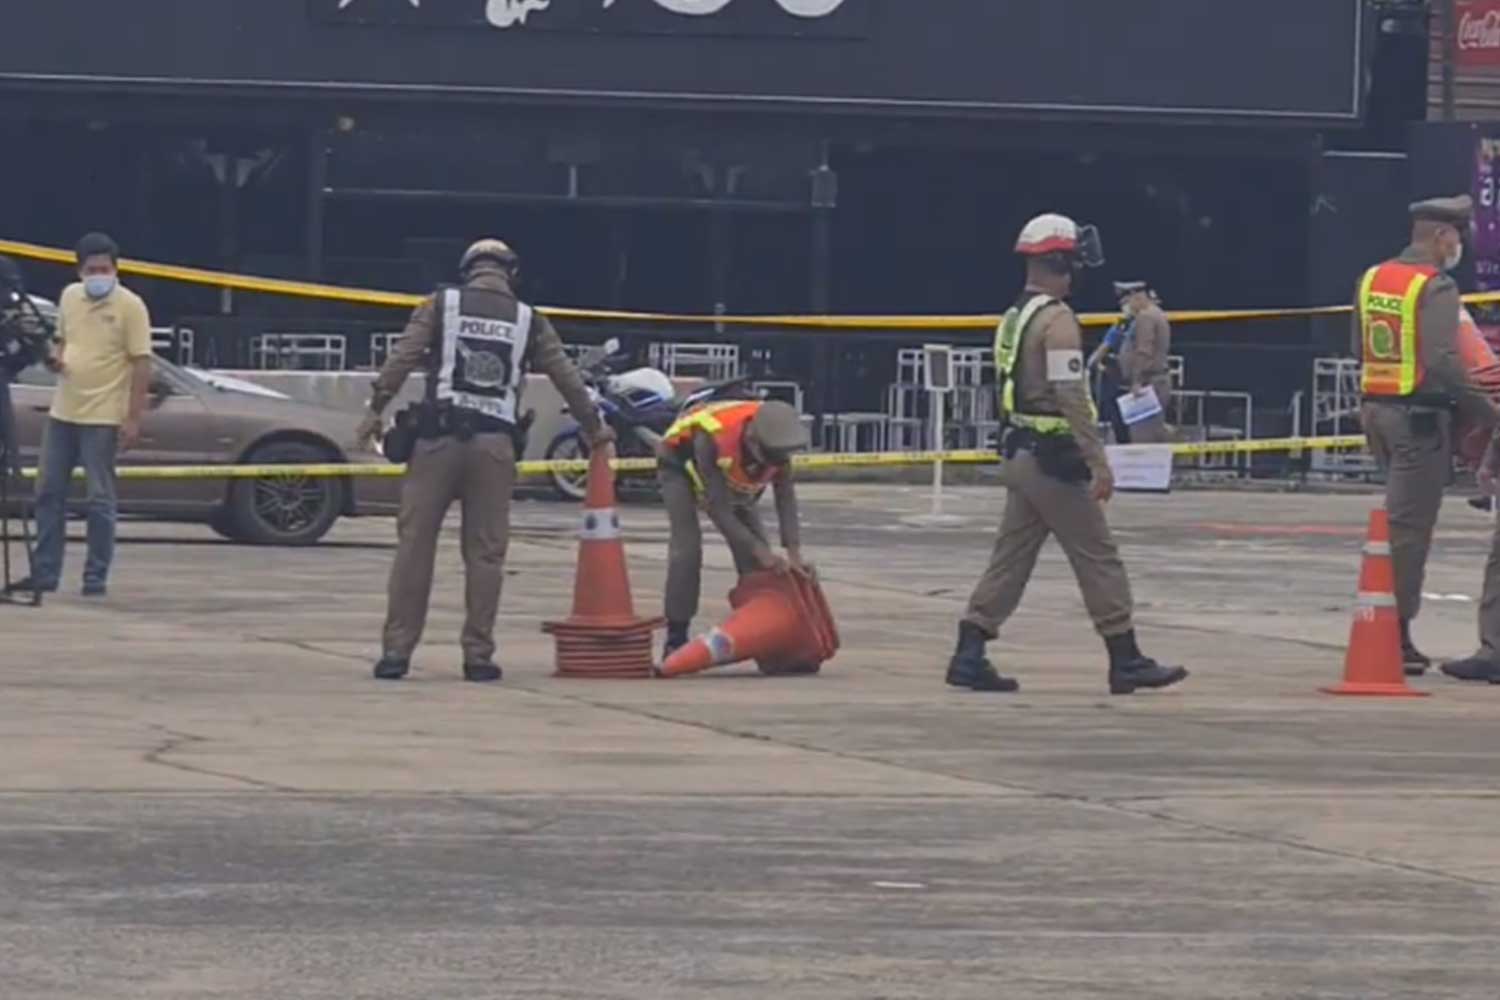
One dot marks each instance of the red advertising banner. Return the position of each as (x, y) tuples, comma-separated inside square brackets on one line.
[(1478, 34)]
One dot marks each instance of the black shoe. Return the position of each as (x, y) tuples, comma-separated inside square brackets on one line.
[(391, 668), (95, 590), (1130, 669), (1143, 672), (969, 667), (979, 675), (677, 637), (1413, 661), (32, 586), (789, 669), (481, 673), (1474, 668)]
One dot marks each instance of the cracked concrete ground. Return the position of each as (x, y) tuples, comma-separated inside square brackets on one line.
[(203, 794)]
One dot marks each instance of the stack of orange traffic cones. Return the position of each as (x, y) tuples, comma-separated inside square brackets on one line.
[(603, 638), (1373, 665), (780, 620)]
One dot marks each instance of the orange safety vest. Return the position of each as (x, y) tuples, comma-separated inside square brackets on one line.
[(1389, 336), (725, 422)]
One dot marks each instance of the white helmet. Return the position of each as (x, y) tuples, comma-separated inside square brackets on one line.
[(1052, 233)]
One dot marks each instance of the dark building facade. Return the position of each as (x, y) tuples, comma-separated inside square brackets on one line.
[(740, 156)]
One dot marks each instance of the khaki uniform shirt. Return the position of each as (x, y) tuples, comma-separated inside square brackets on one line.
[(100, 340), (544, 354), (1051, 377), (1437, 321), (1146, 356)]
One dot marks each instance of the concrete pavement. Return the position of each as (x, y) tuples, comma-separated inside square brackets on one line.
[(203, 794)]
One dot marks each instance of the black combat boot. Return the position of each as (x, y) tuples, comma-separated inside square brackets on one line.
[(481, 673), (1129, 668), (677, 637), (392, 668), (969, 667), (1413, 660)]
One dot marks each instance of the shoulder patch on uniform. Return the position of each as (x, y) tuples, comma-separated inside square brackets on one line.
[(1065, 366)]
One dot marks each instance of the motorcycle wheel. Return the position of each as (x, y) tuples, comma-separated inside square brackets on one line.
[(565, 448)]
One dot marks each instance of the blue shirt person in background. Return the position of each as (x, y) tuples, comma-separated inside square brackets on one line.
[(1108, 382)]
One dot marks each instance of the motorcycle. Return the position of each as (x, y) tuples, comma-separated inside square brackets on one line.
[(639, 404)]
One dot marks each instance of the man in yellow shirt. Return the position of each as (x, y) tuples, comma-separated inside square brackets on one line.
[(104, 372)]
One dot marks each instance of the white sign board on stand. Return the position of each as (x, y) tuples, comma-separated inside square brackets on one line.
[(1141, 468)]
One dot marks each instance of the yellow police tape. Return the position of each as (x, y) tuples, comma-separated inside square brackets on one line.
[(854, 460), (373, 297)]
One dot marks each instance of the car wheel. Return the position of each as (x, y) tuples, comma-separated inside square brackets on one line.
[(286, 509), (566, 448)]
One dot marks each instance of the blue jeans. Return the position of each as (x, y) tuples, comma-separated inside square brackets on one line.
[(66, 446)]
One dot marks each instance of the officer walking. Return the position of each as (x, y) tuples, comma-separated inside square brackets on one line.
[(723, 456), (1055, 473), (476, 343), (1405, 331), (1143, 360)]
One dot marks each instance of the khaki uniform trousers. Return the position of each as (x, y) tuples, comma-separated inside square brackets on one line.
[(685, 549), (1417, 462), (1489, 604), (480, 473), (1037, 506)]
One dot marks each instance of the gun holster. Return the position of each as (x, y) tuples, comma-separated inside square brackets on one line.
[(1057, 455), (401, 440)]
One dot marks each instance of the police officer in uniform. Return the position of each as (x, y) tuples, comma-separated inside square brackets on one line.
[(1405, 331), (1055, 471), (1143, 359), (723, 456), (476, 344)]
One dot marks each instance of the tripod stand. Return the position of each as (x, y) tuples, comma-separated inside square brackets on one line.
[(10, 472)]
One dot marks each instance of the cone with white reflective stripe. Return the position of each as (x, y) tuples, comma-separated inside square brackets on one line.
[(1373, 665), (603, 637), (781, 620)]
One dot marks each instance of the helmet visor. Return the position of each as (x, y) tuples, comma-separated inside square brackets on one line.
[(1090, 247)]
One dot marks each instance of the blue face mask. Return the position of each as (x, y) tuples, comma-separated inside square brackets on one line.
[(99, 285)]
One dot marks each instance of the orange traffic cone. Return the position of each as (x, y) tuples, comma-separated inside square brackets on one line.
[(781, 620), (603, 637), (1373, 664)]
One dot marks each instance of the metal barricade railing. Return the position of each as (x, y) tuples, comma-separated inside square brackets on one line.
[(1335, 411), (173, 342), (299, 351)]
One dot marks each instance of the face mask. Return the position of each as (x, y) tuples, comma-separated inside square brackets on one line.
[(99, 285)]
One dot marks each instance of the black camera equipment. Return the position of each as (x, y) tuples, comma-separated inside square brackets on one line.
[(25, 339)]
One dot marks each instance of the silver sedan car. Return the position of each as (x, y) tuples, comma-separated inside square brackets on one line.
[(200, 420)]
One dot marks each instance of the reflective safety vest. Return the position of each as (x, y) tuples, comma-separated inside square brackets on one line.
[(725, 422), (1390, 340), (479, 362), (1007, 353)]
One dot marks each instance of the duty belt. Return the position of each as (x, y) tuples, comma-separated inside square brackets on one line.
[(443, 421)]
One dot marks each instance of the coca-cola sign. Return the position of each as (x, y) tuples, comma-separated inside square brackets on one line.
[(819, 18), (1479, 34)]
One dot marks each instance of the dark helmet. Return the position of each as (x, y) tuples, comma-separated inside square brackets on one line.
[(494, 250)]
